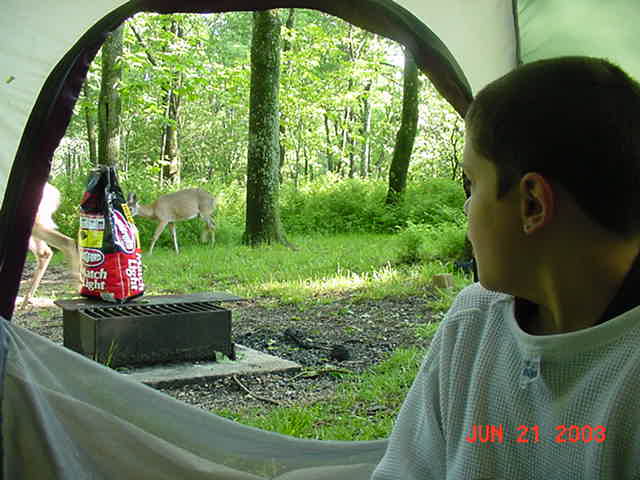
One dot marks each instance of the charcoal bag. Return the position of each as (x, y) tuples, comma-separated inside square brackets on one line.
[(108, 240)]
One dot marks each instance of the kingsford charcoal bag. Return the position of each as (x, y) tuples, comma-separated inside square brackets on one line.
[(108, 241)]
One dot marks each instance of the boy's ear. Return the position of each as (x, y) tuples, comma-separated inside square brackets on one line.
[(537, 202)]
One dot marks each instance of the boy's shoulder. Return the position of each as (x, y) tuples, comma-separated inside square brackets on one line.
[(475, 299)]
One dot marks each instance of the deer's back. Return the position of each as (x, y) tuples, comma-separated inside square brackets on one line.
[(48, 205), (184, 204)]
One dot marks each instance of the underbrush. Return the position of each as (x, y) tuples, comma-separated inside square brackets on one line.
[(326, 205)]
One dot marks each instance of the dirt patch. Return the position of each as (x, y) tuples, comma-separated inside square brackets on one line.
[(325, 338)]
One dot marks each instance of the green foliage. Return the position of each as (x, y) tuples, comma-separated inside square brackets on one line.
[(332, 74), (327, 205), (444, 242), (354, 205)]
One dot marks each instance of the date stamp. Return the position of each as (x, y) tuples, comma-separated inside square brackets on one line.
[(531, 434)]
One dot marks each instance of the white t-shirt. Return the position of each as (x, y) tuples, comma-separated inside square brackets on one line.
[(494, 402)]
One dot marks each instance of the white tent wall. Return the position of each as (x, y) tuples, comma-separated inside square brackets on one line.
[(34, 39), (553, 28), (480, 34)]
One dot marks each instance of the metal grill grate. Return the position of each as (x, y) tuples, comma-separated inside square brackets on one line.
[(124, 311)]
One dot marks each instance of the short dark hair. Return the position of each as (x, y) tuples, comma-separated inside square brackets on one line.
[(574, 120)]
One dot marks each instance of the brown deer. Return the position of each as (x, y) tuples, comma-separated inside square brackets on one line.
[(175, 207), (45, 233)]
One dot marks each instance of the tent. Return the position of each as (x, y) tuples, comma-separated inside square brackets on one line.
[(76, 417)]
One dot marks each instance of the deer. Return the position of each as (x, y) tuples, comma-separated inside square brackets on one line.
[(44, 233), (176, 207)]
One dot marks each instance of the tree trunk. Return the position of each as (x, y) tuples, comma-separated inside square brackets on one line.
[(366, 128), (170, 148), (286, 46), (406, 134), (327, 129), (351, 150), (263, 217), (90, 123), (344, 138), (109, 103), (308, 174)]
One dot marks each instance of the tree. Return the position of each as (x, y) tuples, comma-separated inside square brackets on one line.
[(170, 151), (262, 215), (109, 104), (407, 132), (286, 46), (89, 115), (340, 102)]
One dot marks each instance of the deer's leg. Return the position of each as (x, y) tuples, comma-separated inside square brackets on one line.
[(43, 256), (172, 228), (63, 243), (157, 233), (209, 230)]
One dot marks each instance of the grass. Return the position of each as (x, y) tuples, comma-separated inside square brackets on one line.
[(323, 269), (363, 408)]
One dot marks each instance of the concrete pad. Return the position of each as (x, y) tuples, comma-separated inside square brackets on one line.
[(248, 361)]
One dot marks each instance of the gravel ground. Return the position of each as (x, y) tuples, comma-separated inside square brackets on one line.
[(343, 334)]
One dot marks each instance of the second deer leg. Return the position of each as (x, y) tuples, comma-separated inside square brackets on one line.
[(208, 231), (172, 228), (43, 256)]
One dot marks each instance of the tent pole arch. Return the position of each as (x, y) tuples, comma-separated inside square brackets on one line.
[(52, 111)]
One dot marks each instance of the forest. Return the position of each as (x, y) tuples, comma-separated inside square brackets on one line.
[(336, 168), (177, 89)]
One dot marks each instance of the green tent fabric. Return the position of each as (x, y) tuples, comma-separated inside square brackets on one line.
[(79, 420)]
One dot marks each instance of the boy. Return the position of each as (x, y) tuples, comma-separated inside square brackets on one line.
[(535, 371)]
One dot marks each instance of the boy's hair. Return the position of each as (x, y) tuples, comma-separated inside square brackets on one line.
[(574, 120)]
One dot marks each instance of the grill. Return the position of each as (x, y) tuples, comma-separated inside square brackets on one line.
[(144, 334)]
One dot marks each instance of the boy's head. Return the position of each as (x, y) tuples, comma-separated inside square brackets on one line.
[(552, 152), (576, 122)]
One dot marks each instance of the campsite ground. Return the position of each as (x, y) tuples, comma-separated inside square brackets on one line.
[(368, 329)]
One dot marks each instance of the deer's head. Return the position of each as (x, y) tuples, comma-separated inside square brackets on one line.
[(132, 202)]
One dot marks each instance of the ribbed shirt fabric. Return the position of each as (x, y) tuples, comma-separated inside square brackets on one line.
[(545, 407)]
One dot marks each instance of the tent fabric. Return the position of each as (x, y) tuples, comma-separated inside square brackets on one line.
[(589, 27), (67, 417)]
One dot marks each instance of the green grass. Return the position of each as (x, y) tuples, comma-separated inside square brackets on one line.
[(322, 268), (364, 406)]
